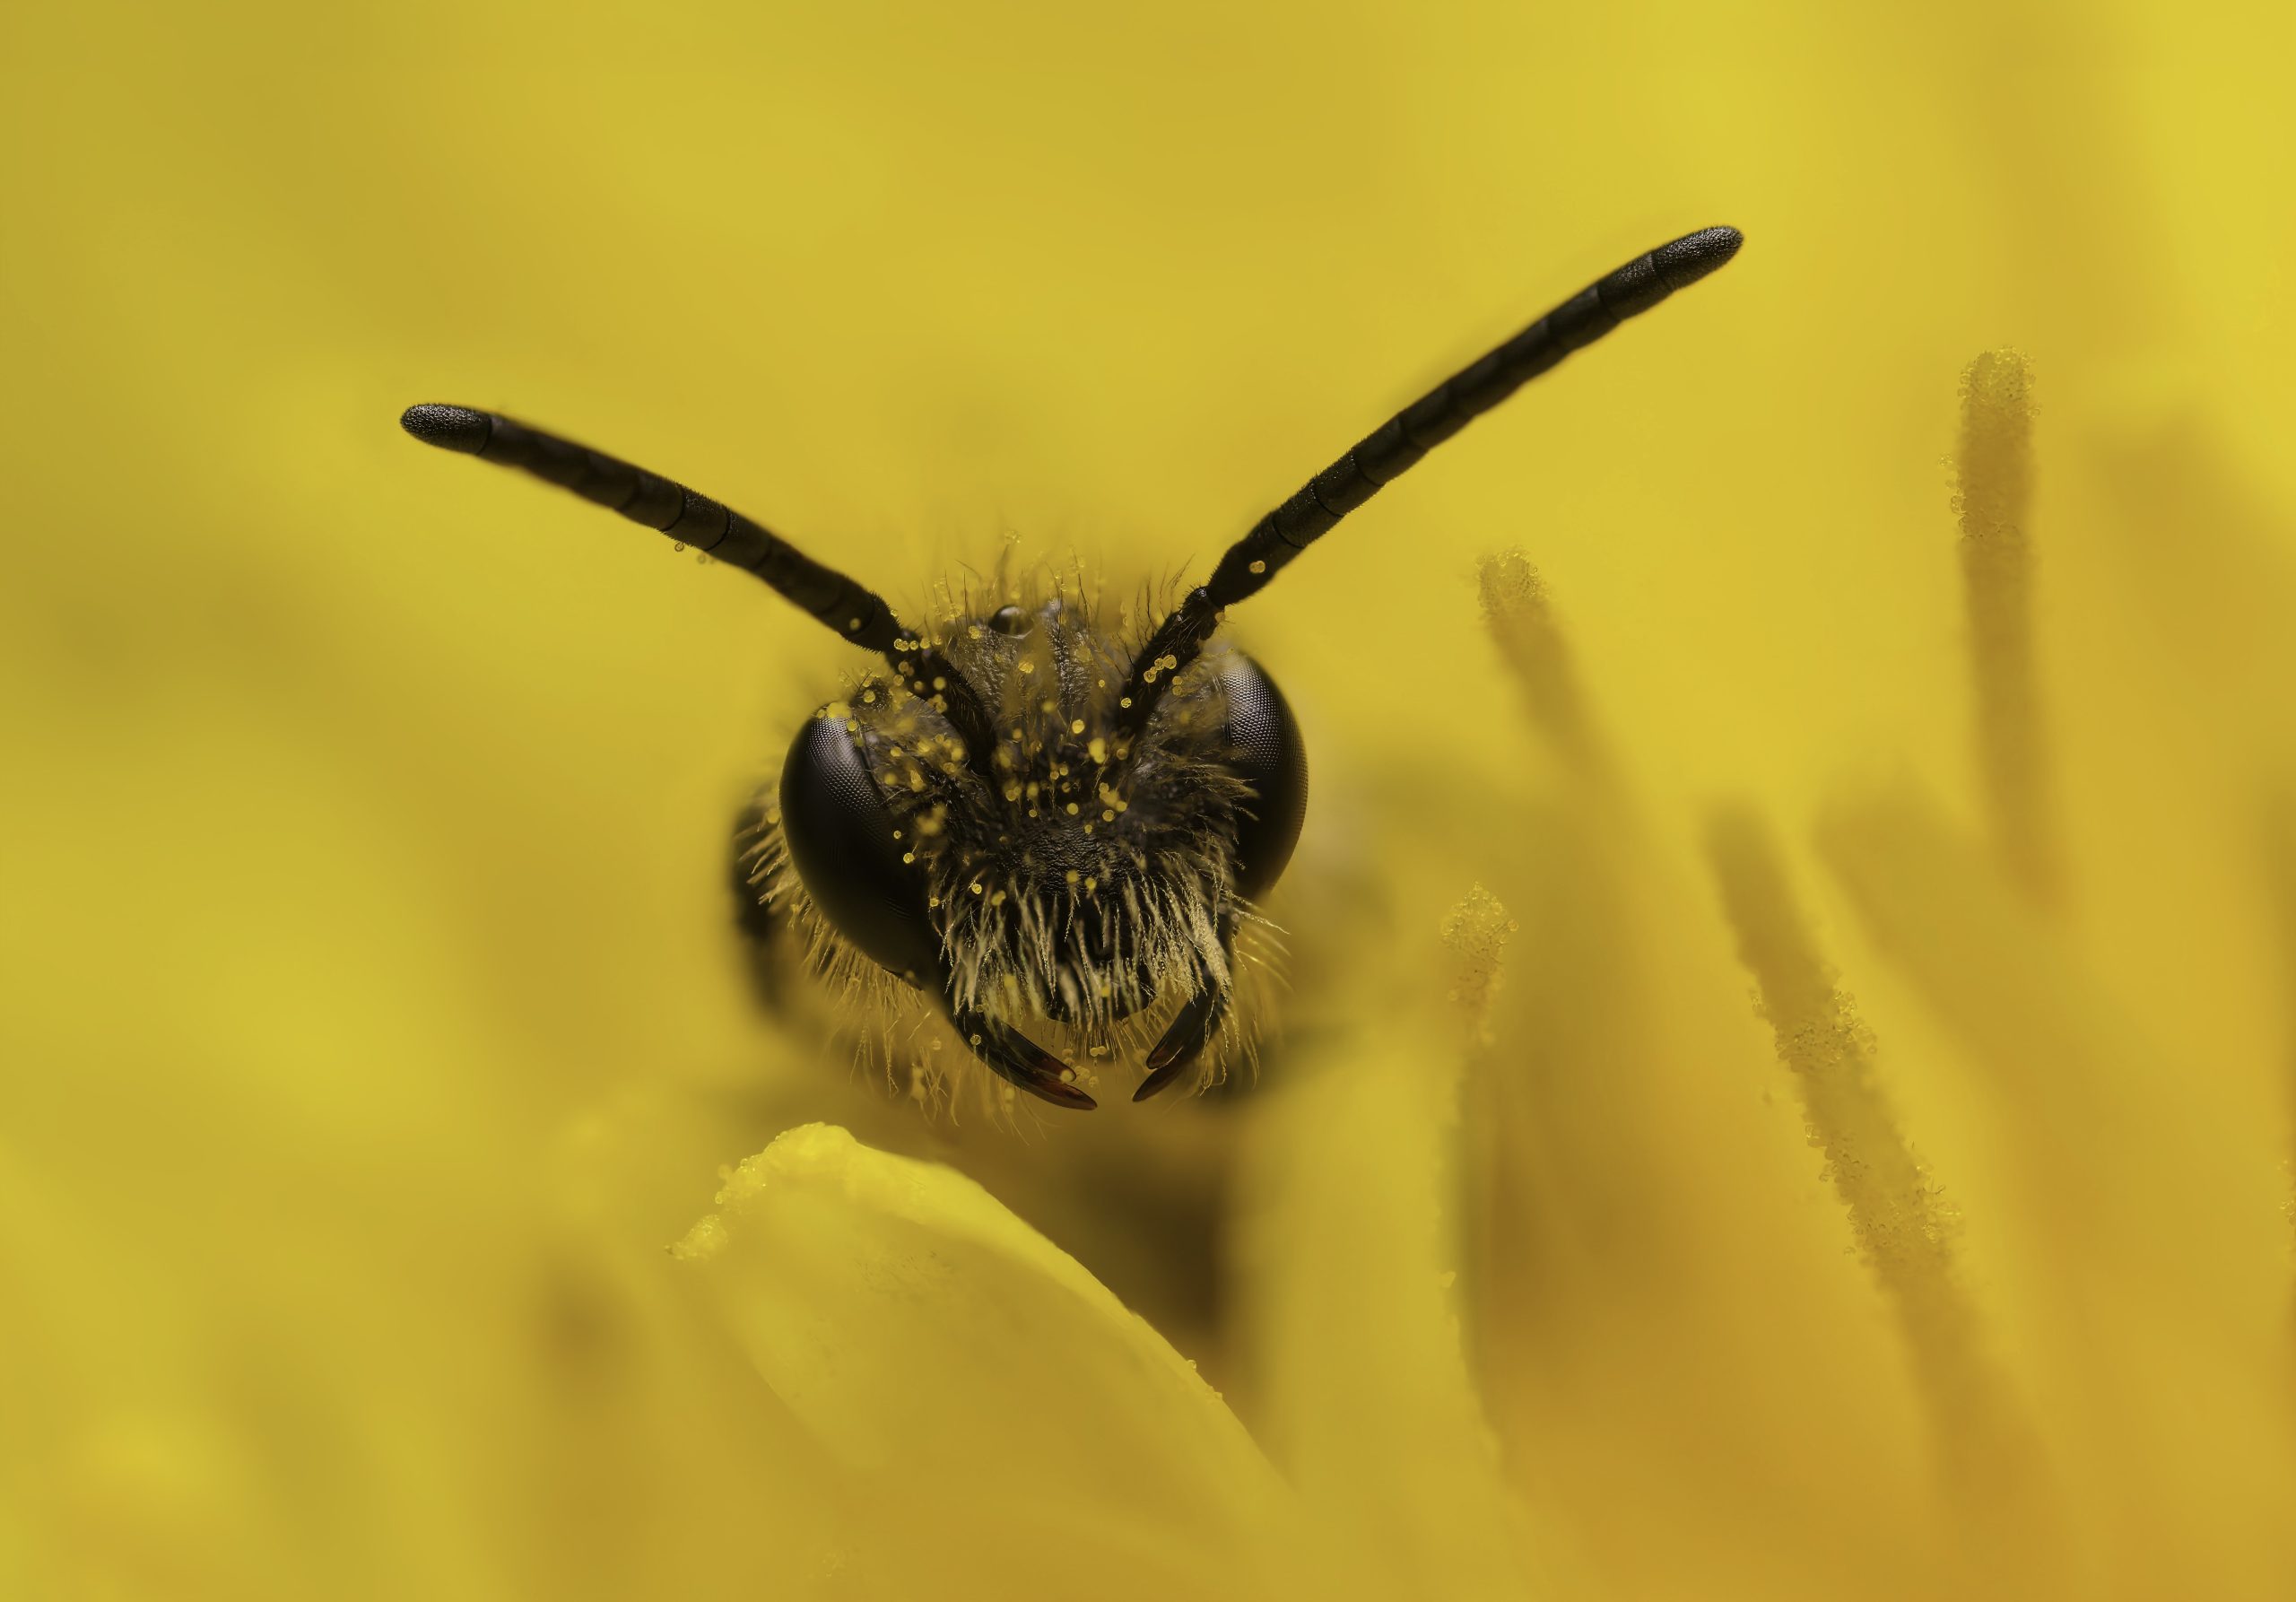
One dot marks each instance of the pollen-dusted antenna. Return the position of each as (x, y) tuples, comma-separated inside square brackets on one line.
[(693, 518), (1385, 454)]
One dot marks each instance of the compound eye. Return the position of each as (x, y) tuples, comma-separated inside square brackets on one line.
[(1265, 752), (841, 841)]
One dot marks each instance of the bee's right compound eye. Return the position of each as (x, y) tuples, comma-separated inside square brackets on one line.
[(843, 842)]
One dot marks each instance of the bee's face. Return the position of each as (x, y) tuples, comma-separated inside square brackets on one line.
[(1034, 822), (1089, 875)]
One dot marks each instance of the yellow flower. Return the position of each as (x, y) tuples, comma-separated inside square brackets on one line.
[(1864, 1166)]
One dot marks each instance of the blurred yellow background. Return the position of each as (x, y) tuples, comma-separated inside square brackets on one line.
[(371, 1020)]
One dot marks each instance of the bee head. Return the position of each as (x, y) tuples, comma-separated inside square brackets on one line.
[(1030, 819), (1084, 871)]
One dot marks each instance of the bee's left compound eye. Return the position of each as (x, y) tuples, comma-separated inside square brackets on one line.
[(1265, 752), (841, 839)]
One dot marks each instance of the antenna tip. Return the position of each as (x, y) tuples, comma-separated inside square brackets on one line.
[(449, 428), (1692, 256)]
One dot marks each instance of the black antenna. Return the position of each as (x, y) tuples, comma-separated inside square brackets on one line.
[(1388, 451), (692, 519)]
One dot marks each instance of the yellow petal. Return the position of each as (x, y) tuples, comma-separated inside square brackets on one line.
[(994, 1391), (1350, 1253)]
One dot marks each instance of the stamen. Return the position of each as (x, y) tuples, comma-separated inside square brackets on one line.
[(1993, 499)]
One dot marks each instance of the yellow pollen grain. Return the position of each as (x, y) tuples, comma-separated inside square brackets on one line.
[(940, 683), (1107, 818), (975, 887), (1259, 567), (1077, 727), (1074, 875), (1125, 701), (1028, 667), (1090, 884), (1098, 749), (869, 697), (1072, 809)]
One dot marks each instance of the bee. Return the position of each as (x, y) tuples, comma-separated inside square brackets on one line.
[(1033, 820)]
